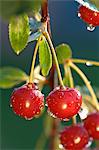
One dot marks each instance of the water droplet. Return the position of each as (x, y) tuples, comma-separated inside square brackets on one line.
[(83, 113), (27, 105), (62, 93), (33, 112), (51, 114), (88, 63), (18, 52), (10, 105), (13, 100), (79, 15), (61, 146), (37, 113), (29, 118), (97, 128), (89, 143), (26, 117), (64, 106), (66, 119), (60, 96), (77, 140), (90, 28), (46, 105)]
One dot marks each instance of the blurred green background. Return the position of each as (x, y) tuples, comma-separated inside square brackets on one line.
[(17, 133)]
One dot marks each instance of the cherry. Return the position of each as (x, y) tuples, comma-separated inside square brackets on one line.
[(27, 101), (89, 16), (91, 123), (74, 137), (64, 102)]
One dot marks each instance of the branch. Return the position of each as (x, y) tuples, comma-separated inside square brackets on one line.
[(46, 18), (45, 15)]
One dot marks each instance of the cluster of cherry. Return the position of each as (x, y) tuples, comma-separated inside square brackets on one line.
[(63, 103)]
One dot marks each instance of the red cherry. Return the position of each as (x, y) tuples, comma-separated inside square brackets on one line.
[(74, 137), (89, 16), (27, 101), (64, 102), (91, 123)]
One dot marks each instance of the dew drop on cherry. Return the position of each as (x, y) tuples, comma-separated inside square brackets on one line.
[(90, 28), (61, 146), (83, 113), (89, 143), (46, 105), (51, 114), (66, 119), (79, 15), (10, 105)]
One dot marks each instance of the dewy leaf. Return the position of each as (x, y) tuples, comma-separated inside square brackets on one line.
[(19, 32), (63, 52), (45, 56), (17, 7), (10, 77)]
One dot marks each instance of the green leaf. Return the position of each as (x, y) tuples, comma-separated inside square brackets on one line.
[(45, 56), (95, 2), (17, 7), (10, 77), (63, 52), (19, 32)]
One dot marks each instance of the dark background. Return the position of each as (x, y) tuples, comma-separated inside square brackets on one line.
[(17, 133)]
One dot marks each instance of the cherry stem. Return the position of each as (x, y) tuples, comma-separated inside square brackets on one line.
[(68, 71), (82, 75), (72, 86), (45, 15), (46, 34), (70, 78), (46, 20), (85, 61), (88, 99), (33, 61)]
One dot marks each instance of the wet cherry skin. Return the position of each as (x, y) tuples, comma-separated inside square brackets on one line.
[(91, 123), (27, 101), (89, 16), (74, 137), (64, 102)]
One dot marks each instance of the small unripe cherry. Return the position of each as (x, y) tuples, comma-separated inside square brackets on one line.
[(89, 16), (91, 123), (27, 101), (74, 137), (64, 103)]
